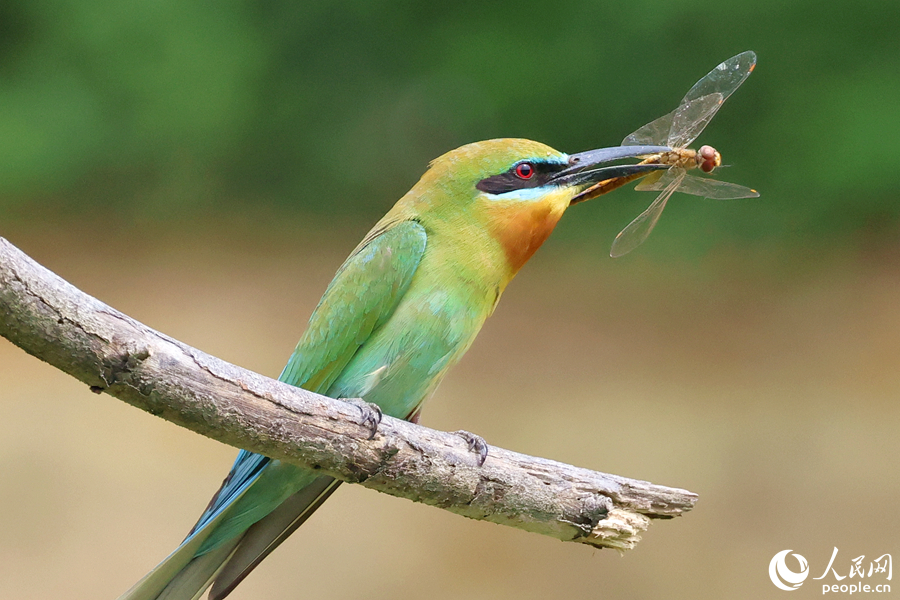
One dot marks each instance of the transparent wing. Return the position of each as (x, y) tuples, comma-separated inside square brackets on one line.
[(637, 231), (715, 189), (724, 79), (654, 133), (699, 186), (689, 120), (655, 181)]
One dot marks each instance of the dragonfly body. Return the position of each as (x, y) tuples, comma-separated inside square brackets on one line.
[(706, 159)]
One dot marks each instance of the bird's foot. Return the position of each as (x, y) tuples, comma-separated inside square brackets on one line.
[(371, 414), (476, 444)]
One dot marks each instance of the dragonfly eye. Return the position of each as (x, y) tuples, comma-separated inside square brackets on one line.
[(710, 158), (524, 170), (707, 152)]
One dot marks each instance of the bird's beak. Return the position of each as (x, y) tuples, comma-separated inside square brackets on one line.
[(586, 169)]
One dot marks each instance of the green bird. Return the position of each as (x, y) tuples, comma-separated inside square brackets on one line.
[(401, 310)]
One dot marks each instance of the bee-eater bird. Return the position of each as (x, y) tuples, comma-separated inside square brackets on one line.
[(401, 310)]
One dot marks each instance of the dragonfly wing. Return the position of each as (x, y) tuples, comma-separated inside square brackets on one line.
[(691, 118), (702, 101), (653, 133), (659, 180), (724, 79), (637, 231), (715, 189)]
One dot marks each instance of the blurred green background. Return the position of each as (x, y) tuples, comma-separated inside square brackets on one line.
[(206, 166)]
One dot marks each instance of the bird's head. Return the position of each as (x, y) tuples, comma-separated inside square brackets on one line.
[(514, 190), (510, 170)]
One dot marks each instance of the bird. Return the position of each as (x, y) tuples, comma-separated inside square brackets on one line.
[(401, 310)]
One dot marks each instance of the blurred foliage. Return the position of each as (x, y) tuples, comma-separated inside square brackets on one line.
[(168, 109)]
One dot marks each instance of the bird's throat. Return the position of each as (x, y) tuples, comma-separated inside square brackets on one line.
[(521, 228)]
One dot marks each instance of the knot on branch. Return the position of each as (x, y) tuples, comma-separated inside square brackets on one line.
[(119, 368)]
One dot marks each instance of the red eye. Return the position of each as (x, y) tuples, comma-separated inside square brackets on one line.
[(525, 171)]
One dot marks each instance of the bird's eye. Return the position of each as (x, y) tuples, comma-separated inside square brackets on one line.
[(524, 171)]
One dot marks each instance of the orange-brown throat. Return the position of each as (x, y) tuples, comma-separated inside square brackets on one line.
[(522, 227)]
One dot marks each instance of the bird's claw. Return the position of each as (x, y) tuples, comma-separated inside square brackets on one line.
[(371, 414), (476, 444)]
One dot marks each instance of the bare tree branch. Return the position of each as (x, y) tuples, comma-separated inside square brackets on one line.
[(111, 352)]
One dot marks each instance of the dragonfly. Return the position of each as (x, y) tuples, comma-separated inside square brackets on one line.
[(677, 130)]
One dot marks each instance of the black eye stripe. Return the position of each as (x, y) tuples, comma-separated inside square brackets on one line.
[(508, 181)]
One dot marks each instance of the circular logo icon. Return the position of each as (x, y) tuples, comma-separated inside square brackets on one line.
[(782, 576)]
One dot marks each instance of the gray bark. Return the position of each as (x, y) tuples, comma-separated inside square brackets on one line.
[(114, 354)]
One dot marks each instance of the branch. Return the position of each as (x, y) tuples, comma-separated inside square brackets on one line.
[(111, 352)]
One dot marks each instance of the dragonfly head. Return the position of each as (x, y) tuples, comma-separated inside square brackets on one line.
[(708, 158)]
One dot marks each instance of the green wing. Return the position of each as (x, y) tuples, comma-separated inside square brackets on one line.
[(363, 295)]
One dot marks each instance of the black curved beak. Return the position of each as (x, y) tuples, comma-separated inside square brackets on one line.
[(587, 168)]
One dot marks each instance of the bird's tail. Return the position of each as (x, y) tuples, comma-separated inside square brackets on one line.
[(266, 534), (178, 576), (185, 575)]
